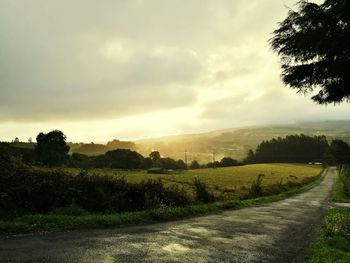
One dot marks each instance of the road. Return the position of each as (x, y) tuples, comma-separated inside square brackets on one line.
[(274, 232)]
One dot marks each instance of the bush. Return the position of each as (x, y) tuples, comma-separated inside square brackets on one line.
[(202, 193), (31, 191), (256, 188)]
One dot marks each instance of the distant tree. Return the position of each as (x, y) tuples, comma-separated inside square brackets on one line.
[(328, 158), (30, 140), (213, 164), (16, 140), (228, 161), (341, 151), (293, 148), (194, 165), (124, 159), (81, 160), (168, 163), (250, 157), (314, 45), (51, 148), (147, 163), (156, 158), (181, 165)]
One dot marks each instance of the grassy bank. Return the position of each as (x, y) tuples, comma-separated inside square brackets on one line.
[(333, 243), (54, 222), (338, 194)]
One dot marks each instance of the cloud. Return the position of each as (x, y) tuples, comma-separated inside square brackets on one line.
[(116, 62)]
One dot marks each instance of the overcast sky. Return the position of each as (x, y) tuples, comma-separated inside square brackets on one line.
[(99, 70)]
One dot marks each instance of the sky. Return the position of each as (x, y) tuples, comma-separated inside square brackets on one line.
[(127, 69)]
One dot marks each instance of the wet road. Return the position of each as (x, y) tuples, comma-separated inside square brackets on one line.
[(275, 232)]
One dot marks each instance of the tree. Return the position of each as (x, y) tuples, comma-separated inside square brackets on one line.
[(156, 158), (194, 165), (314, 45), (341, 151), (51, 148), (228, 161), (181, 165), (124, 159)]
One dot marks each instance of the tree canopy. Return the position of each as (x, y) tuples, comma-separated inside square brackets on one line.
[(291, 149), (341, 151), (314, 46), (51, 148)]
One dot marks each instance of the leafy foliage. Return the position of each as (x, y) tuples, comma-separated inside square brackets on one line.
[(314, 45), (51, 148), (340, 150), (202, 193), (293, 148), (194, 165)]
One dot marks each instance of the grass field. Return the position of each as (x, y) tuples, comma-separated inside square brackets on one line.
[(218, 180)]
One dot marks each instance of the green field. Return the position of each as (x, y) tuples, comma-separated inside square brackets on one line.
[(218, 180)]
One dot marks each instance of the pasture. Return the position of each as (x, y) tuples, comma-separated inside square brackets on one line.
[(219, 180)]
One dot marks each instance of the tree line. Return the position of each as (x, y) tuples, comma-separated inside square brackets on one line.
[(51, 149), (300, 149)]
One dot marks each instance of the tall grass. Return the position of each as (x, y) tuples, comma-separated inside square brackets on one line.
[(345, 178)]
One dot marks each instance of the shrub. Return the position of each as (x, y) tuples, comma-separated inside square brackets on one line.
[(202, 193), (32, 191), (256, 188)]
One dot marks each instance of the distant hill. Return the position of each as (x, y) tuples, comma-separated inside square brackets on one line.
[(236, 142), (233, 142), (96, 149)]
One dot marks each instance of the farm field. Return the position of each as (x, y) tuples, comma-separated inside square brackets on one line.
[(218, 180)]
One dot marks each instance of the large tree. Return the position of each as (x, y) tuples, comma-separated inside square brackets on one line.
[(314, 46), (340, 151), (51, 148)]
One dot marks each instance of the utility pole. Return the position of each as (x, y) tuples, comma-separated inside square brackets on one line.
[(214, 159)]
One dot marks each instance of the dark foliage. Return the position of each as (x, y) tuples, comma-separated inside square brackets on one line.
[(213, 164), (51, 148), (124, 159), (340, 150), (227, 162), (28, 191), (256, 188), (314, 45), (156, 158), (194, 165), (292, 149), (202, 193)]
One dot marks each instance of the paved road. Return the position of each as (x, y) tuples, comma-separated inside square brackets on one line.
[(275, 232)]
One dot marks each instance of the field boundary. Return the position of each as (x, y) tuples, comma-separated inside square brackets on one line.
[(52, 222)]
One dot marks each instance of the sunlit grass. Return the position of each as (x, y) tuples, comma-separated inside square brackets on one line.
[(239, 177)]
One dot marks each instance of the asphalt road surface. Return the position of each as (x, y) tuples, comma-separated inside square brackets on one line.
[(274, 232)]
